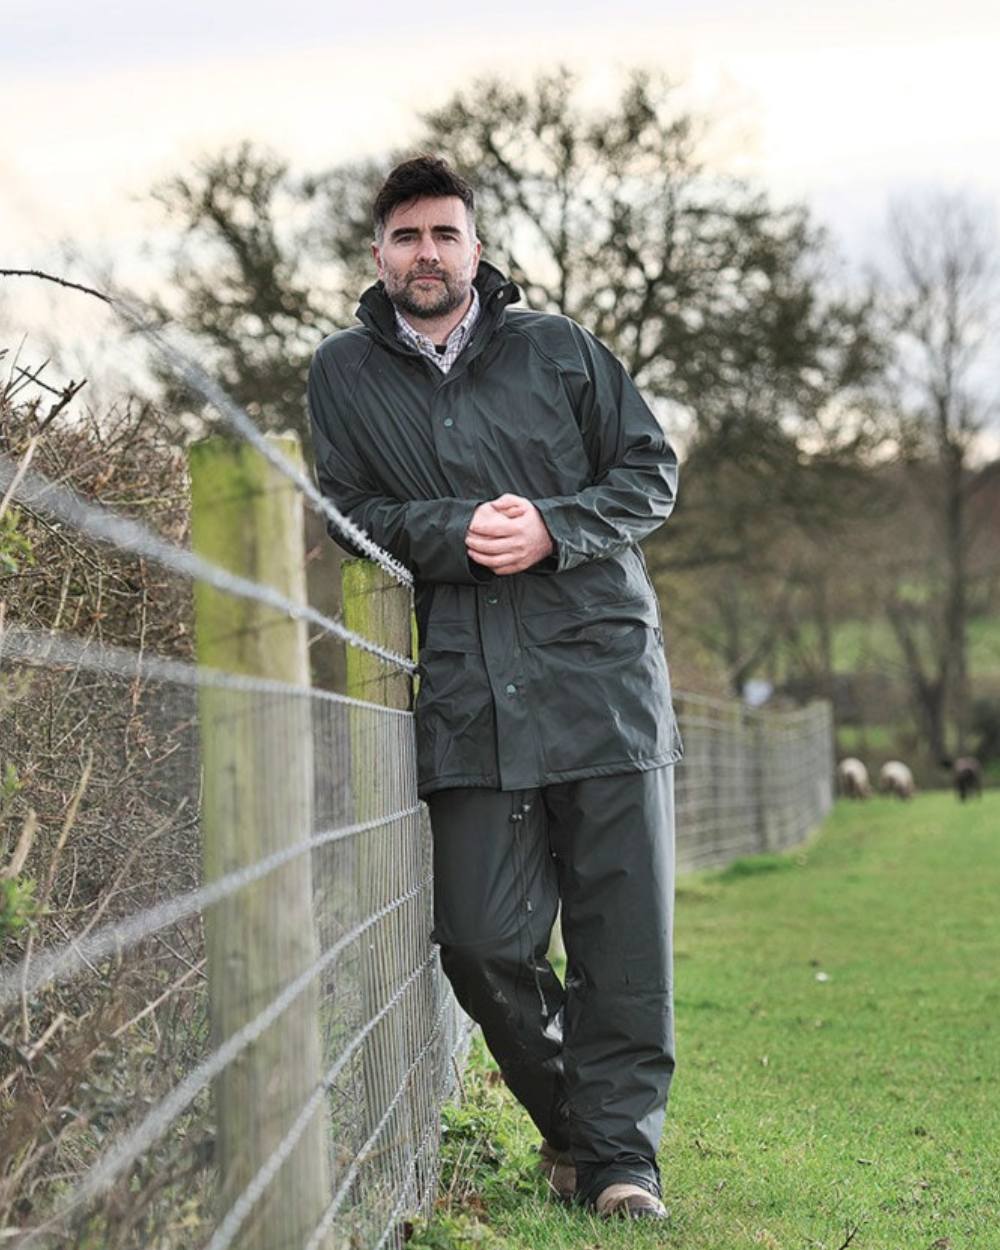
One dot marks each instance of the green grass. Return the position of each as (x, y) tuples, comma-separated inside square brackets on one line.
[(807, 1110)]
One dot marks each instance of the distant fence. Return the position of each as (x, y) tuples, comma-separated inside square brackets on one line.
[(223, 1024), (751, 780)]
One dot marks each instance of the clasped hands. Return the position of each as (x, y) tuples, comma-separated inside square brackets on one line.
[(508, 535)]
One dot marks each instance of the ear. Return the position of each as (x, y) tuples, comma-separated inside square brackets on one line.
[(477, 252), (377, 255)]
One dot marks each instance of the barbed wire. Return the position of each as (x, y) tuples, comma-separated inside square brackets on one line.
[(209, 390), (37, 491), (132, 310)]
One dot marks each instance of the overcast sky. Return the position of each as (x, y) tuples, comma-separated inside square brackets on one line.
[(841, 105)]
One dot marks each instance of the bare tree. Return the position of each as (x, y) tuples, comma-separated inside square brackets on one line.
[(940, 298), (239, 283)]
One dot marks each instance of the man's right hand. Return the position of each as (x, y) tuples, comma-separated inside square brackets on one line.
[(508, 535)]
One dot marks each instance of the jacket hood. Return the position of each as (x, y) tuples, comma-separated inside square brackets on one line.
[(495, 289)]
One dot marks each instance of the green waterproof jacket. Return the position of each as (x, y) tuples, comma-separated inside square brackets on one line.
[(538, 677)]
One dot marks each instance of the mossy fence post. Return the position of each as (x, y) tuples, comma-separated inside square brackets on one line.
[(380, 609), (258, 778)]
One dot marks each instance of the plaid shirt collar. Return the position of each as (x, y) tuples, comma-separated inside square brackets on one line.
[(456, 340)]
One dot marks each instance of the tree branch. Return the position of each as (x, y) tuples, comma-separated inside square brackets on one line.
[(49, 277)]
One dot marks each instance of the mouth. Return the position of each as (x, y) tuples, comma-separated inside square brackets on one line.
[(427, 277)]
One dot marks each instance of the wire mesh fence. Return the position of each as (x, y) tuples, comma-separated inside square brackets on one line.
[(751, 781), (108, 1025), (113, 1059), (221, 1019), (222, 1022)]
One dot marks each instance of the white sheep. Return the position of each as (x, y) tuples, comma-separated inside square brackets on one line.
[(895, 778), (852, 778)]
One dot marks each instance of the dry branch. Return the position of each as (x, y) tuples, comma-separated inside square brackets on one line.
[(49, 277)]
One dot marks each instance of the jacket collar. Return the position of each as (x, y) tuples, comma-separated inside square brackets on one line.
[(496, 291)]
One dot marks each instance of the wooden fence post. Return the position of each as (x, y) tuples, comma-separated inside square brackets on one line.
[(379, 609), (258, 778)]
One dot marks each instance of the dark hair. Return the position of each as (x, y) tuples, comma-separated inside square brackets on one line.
[(412, 179)]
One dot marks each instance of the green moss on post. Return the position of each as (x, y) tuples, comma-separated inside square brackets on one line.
[(258, 777), (378, 608)]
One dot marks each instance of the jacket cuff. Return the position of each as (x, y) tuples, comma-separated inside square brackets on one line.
[(437, 535), (565, 556)]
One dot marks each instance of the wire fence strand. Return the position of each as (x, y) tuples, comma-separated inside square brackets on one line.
[(100, 524), (30, 646), (78, 956), (210, 391)]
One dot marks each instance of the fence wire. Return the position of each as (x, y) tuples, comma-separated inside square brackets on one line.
[(225, 1024), (36, 491), (185, 366), (126, 1000), (142, 1119), (751, 781)]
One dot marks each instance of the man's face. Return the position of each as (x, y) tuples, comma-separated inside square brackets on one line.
[(428, 257)]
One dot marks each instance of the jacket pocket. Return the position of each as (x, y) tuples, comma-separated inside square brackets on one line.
[(461, 637), (603, 683), (590, 621), (454, 716)]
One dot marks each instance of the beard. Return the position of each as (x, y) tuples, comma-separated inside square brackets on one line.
[(444, 297)]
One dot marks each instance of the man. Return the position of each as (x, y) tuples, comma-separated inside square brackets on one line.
[(506, 457)]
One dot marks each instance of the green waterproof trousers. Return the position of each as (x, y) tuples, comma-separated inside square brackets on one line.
[(591, 1062)]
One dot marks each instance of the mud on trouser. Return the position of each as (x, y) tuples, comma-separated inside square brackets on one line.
[(591, 1063)]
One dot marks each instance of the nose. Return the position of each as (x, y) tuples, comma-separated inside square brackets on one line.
[(428, 249)]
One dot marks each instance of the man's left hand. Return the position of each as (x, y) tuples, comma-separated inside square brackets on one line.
[(508, 535)]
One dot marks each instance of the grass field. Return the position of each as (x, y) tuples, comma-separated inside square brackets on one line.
[(838, 1084)]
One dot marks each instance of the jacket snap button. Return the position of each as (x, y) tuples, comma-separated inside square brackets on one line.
[(492, 599), (512, 689), (448, 423)]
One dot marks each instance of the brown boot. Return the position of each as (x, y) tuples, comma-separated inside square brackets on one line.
[(558, 1169), (631, 1202)]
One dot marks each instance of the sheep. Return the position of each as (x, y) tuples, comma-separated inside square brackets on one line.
[(966, 776), (895, 778), (852, 778)]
